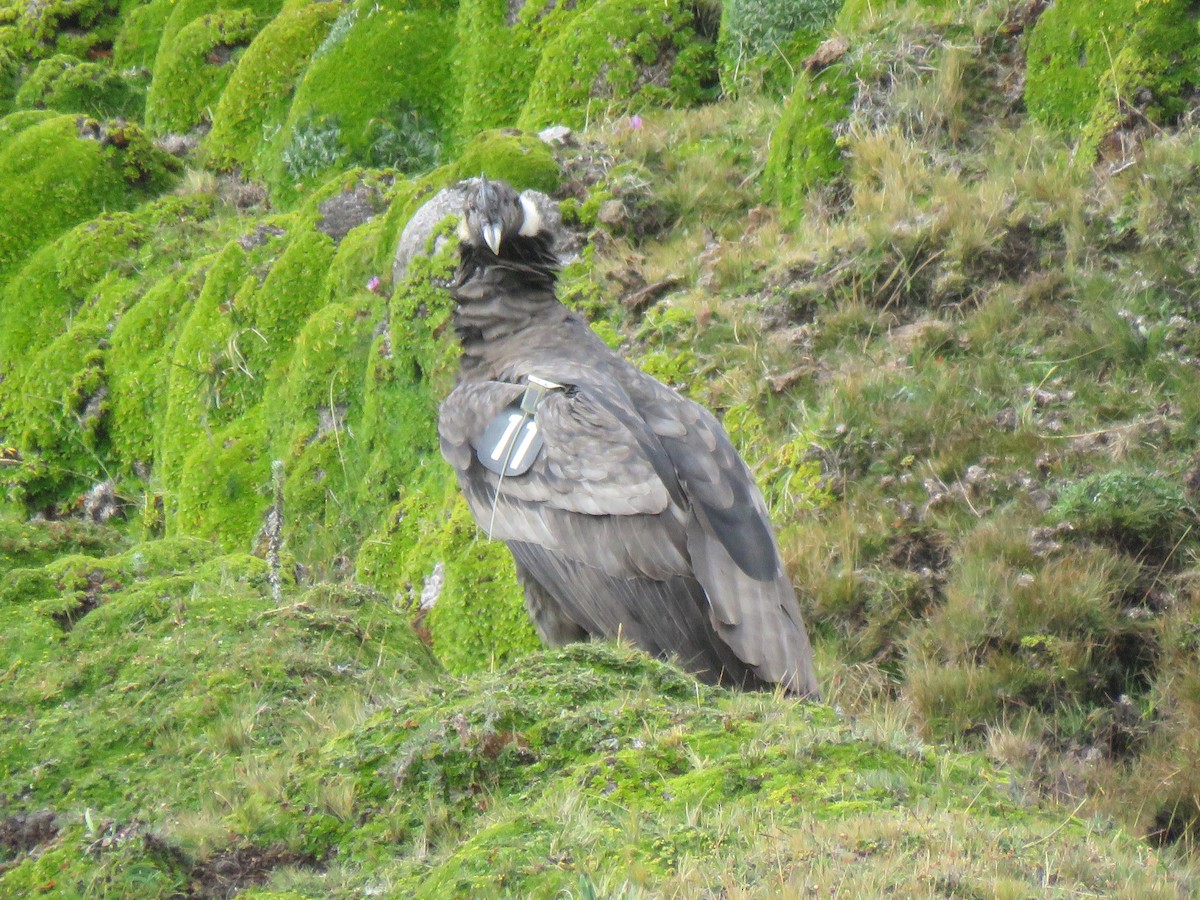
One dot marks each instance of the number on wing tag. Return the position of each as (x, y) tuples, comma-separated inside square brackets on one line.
[(510, 443)]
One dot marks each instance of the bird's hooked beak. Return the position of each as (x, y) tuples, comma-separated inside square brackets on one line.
[(491, 235)]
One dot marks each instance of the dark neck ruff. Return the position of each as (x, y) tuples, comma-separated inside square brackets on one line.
[(500, 296)]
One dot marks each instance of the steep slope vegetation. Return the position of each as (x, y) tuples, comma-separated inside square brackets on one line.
[(938, 275)]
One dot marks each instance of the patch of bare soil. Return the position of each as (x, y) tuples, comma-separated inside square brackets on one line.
[(23, 832), (224, 874)]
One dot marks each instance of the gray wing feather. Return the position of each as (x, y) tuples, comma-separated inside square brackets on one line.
[(761, 621)]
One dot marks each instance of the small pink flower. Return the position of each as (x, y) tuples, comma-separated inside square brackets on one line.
[(635, 122), (373, 284)]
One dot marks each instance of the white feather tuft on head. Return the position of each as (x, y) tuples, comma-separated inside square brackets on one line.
[(531, 223)]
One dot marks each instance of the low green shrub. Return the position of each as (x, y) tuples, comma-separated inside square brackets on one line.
[(763, 42), (1135, 509)]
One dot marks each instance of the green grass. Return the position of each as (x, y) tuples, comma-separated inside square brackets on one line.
[(959, 358)]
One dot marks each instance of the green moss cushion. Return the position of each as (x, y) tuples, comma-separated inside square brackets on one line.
[(1086, 60), (254, 104), (56, 171), (67, 84), (520, 159), (804, 151), (617, 55), (377, 92), (191, 71), (137, 41)]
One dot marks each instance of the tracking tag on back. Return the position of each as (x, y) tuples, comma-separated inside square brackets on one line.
[(510, 443)]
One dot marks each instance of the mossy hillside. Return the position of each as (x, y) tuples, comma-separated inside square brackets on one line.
[(210, 384), (55, 394), (293, 338), (621, 55), (598, 768), (256, 99), (804, 150), (221, 679), (34, 308), (62, 413), (762, 44), (31, 544), (594, 768), (242, 327), (61, 170), (66, 84), (1087, 67), (191, 70), (498, 57), (138, 366), (377, 92), (60, 315), (314, 419), (223, 485), (75, 27)]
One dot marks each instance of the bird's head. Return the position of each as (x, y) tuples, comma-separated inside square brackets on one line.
[(495, 215)]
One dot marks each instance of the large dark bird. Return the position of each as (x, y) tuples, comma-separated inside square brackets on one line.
[(626, 507)]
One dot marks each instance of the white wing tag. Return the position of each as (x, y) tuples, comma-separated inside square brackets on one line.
[(511, 442)]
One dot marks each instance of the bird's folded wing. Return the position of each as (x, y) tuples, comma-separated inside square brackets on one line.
[(601, 490), (719, 486)]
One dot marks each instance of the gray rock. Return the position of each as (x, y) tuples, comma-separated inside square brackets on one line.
[(344, 212), (555, 135)]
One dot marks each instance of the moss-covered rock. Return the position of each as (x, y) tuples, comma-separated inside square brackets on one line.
[(377, 92), (500, 45), (763, 42), (804, 151), (67, 84), (137, 40), (191, 70), (255, 102), (520, 159), (621, 55), (1086, 66), (56, 171)]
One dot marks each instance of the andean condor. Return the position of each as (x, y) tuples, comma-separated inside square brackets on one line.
[(625, 506)]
